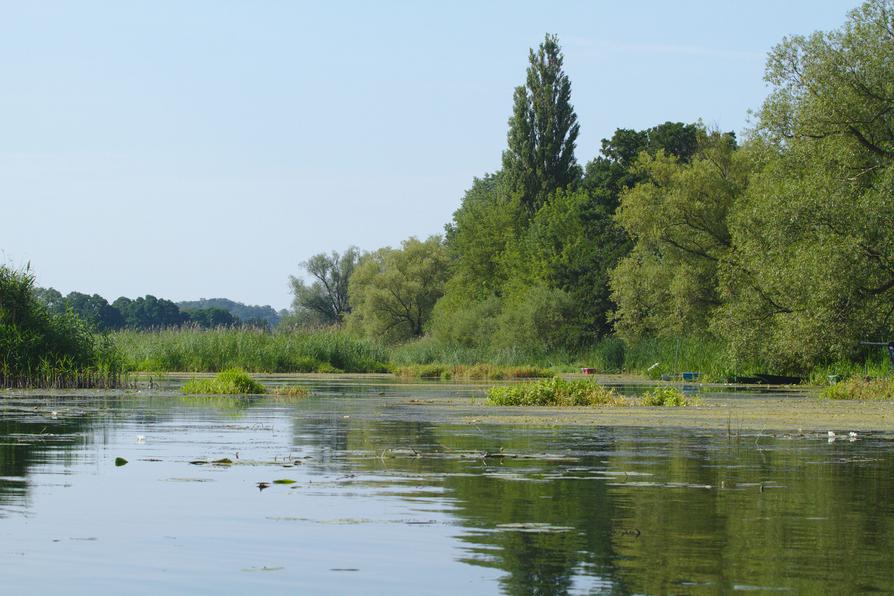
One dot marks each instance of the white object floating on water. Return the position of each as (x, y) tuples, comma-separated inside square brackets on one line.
[(54, 414), (832, 436), (141, 439), (852, 436)]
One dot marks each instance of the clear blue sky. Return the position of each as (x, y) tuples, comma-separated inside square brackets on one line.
[(195, 148)]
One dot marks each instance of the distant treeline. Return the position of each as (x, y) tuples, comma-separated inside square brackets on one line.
[(775, 249), (149, 312)]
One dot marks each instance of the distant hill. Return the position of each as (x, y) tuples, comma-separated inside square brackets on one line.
[(243, 312)]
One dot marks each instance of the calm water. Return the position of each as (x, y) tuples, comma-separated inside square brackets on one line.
[(389, 499)]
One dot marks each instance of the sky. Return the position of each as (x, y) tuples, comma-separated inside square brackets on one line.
[(205, 148)]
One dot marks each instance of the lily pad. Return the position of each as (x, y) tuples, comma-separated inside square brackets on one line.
[(284, 481), (120, 461)]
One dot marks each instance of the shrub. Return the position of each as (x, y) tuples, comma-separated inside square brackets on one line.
[(554, 392), (234, 381), (665, 396), (860, 388)]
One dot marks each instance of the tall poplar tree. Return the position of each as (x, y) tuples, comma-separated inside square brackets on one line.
[(543, 130)]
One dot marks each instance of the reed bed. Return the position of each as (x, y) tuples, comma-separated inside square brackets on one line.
[(215, 350), (479, 371)]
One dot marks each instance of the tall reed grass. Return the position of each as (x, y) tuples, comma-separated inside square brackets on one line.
[(255, 350), (42, 349)]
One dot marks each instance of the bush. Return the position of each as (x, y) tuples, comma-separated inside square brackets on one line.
[(44, 349), (665, 396), (234, 381), (554, 392), (859, 388)]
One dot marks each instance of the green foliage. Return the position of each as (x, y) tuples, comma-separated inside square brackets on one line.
[(665, 395), (613, 171), (554, 392), (233, 381), (210, 317), (677, 218), (813, 236), (543, 131), (258, 316), (149, 312), (393, 291), (256, 350), (44, 349), (325, 300), (537, 318), (860, 388)]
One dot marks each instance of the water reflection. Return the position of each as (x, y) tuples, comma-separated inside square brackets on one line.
[(538, 510)]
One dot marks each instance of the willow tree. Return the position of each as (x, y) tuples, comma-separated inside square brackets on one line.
[(813, 267), (543, 130)]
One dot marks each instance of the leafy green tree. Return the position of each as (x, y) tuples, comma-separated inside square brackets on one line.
[(613, 171), (813, 237), (393, 291), (543, 130), (325, 301), (95, 310), (256, 316), (479, 237), (51, 298), (571, 245), (210, 318), (677, 218), (149, 312)]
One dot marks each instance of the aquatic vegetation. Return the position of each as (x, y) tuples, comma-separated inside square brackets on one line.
[(861, 388), (230, 382), (282, 392), (666, 396), (554, 392), (480, 371)]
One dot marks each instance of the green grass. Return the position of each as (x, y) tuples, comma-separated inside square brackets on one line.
[(554, 392), (860, 388), (230, 382), (479, 371), (666, 396), (214, 350)]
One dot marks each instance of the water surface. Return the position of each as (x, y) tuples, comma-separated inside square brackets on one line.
[(392, 494)]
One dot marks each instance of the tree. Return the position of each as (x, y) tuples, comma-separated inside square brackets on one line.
[(393, 291), (678, 220), (210, 318), (543, 130), (95, 310), (149, 312), (813, 267), (326, 299), (613, 171), (479, 236)]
